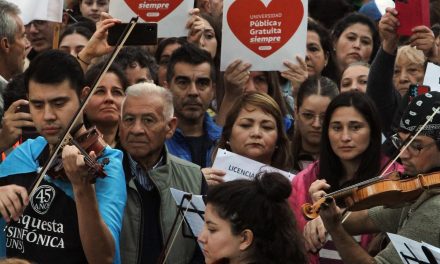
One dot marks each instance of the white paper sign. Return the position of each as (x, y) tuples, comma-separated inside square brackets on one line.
[(264, 33), (411, 251), (383, 4), (239, 167), (194, 219), (432, 77), (48, 10), (170, 15)]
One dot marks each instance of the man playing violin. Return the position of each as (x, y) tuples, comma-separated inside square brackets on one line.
[(67, 220), (417, 220)]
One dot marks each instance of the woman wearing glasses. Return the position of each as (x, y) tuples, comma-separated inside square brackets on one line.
[(312, 100), (350, 152)]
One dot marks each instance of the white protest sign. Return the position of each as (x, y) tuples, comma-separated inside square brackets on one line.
[(239, 167), (170, 15), (48, 10), (411, 251), (264, 33), (383, 4), (432, 77)]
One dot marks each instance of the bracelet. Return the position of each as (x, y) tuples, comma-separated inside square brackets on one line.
[(81, 60)]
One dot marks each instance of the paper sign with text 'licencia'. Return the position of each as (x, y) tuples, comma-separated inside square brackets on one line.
[(263, 33), (432, 77), (48, 10), (411, 251), (239, 167), (170, 15)]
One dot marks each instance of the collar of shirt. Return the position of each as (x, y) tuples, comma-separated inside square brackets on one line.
[(140, 174)]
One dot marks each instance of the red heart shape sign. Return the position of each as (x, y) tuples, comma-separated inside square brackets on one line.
[(265, 29), (153, 10)]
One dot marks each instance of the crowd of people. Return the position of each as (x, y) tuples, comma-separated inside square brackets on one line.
[(156, 117)]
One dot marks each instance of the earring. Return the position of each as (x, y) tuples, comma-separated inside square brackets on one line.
[(227, 142)]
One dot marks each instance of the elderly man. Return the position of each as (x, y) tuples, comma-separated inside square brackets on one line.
[(190, 78), (146, 122), (13, 44)]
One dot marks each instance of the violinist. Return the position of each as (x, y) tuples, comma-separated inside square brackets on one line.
[(417, 220), (350, 153), (65, 219)]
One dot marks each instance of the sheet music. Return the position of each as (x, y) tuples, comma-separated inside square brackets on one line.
[(194, 220)]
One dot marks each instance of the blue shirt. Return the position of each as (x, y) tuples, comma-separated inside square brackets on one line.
[(178, 146), (110, 191)]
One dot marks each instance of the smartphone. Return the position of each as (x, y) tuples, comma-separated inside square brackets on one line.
[(416, 90), (412, 13), (142, 34), (26, 129)]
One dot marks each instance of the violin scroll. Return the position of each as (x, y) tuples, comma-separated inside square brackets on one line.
[(311, 211)]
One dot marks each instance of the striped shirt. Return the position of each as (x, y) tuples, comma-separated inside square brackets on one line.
[(140, 174)]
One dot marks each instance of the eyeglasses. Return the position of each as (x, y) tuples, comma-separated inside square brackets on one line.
[(414, 148), (310, 117)]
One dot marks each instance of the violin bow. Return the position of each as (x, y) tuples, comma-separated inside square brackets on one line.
[(66, 138)]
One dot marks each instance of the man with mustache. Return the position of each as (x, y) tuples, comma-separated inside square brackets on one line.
[(190, 78), (147, 120)]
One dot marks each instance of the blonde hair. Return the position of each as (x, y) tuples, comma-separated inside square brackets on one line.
[(412, 54)]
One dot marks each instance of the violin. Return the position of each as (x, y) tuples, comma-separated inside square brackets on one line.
[(389, 192), (90, 140), (382, 190)]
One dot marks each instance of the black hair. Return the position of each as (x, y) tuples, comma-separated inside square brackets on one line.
[(164, 43), (93, 73), (355, 18), (15, 90), (330, 166), (131, 54), (191, 54), (320, 10), (54, 67), (76, 29), (260, 205), (322, 86)]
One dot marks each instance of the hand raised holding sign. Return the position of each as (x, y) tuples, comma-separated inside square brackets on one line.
[(296, 74), (195, 26)]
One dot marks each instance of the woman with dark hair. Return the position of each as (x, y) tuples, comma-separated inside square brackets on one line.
[(254, 128), (355, 38), (104, 108), (312, 100), (251, 222), (165, 48), (350, 152), (74, 39), (319, 49)]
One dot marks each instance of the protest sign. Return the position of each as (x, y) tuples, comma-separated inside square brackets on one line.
[(432, 77), (239, 167), (170, 15), (48, 10), (263, 33)]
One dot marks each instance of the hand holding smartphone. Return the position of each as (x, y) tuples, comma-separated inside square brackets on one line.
[(142, 34)]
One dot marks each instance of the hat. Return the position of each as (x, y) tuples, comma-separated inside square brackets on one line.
[(370, 10), (418, 111)]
